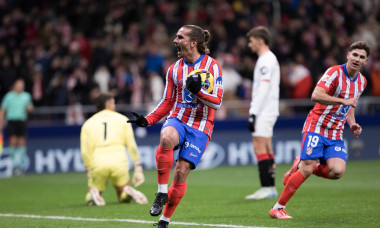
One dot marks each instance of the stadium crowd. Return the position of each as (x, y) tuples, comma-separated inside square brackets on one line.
[(68, 51)]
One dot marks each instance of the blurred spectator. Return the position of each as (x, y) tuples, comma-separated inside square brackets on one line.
[(102, 77), (375, 79), (66, 38), (298, 80)]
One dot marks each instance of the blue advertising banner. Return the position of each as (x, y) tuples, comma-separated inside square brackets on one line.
[(57, 149)]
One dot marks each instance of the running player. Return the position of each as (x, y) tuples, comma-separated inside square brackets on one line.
[(104, 138), (190, 113), (263, 112), (336, 96)]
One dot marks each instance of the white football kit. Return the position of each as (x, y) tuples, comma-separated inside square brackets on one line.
[(265, 94)]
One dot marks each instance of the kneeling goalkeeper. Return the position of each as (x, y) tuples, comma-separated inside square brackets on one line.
[(104, 138)]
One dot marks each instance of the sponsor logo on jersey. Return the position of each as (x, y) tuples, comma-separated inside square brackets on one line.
[(187, 96), (219, 82), (189, 105), (193, 155)]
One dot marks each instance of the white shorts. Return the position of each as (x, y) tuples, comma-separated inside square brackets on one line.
[(264, 126)]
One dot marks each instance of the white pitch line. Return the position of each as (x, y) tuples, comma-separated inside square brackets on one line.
[(121, 220)]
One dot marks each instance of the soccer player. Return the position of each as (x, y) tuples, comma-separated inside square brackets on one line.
[(263, 111), (190, 113), (14, 107), (336, 96), (103, 140)]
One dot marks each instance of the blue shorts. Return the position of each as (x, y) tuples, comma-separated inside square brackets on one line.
[(192, 143), (315, 146)]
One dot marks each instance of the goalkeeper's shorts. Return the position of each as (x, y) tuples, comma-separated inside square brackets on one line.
[(118, 172)]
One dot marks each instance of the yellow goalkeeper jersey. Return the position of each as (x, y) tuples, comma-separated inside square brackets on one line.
[(104, 136)]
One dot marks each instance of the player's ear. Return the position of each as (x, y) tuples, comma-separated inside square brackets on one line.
[(193, 43)]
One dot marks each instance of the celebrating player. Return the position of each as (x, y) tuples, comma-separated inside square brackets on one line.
[(103, 139), (264, 109), (190, 121), (336, 96)]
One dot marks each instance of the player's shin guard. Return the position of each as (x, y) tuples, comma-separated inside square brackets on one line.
[(322, 170), (176, 192), (164, 162), (264, 167), (294, 182)]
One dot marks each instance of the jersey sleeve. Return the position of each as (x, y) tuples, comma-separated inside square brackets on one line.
[(85, 147), (131, 143), (329, 80), (166, 104), (213, 100)]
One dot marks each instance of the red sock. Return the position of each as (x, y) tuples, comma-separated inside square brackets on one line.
[(164, 162), (175, 194), (291, 187), (322, 170), (261, 157)]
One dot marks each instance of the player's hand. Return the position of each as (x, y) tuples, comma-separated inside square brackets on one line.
[(138, 176), (251, 122), (351, 102), (194, 86), (356, 130), (139, 121)]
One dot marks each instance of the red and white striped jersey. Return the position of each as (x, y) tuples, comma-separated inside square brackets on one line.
[(195, 111), (329, 120)]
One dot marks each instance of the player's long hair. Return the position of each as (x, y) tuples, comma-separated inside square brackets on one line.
[(201, 36)]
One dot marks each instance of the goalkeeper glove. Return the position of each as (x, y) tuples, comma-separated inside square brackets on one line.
[(140, 121), (251, 122), (138, 175), (194, 86)]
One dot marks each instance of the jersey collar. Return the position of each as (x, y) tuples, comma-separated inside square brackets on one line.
[(198, 60), (346, 73)]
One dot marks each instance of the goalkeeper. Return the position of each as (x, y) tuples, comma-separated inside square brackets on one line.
[(103, 139)]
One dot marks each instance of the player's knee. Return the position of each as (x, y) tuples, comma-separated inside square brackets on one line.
[(168, 140), (307, 169), (336, 173)]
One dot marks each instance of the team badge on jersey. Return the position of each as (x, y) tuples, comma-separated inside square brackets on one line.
[(264, 70), (309, 150)]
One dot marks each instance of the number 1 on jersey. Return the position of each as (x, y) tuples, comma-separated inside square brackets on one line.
[(105, 130)]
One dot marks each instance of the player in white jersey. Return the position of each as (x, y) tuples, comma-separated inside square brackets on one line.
[(323, 152), (263, 111)]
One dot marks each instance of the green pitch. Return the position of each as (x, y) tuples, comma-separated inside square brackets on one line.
[(213, 197)]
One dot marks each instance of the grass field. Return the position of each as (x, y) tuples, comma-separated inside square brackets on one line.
[(214, 197)]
